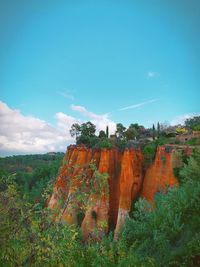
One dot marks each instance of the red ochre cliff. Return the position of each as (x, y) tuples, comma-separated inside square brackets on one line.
[(126, 180)]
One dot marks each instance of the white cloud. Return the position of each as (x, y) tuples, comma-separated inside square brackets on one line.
[(65, 122), (152, 74), (138, 105), (27, 134), (21, 134), (101, 121), (181, 118)]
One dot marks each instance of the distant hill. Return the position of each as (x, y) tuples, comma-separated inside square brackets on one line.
[(26, 163), (32, 172)]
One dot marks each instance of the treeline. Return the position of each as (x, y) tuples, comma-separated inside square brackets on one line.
[(86, 134), (32, 172), (133, 135)]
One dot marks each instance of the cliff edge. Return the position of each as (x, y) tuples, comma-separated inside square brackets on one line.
[(106, 203)]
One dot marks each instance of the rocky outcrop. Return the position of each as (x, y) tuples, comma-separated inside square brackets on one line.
[(95, 222), (160, 174), (126, 180), (130, 180)]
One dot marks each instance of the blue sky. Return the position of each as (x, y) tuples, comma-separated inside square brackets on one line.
[(66, 61)]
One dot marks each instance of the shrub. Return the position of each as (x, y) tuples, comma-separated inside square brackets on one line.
[(193, 142), (149, 153), (121, 144), (87, 140), (169, 235), (28, 237), (104, 143), (150, 149)]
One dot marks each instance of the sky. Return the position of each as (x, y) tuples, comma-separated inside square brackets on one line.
[(63, 62)]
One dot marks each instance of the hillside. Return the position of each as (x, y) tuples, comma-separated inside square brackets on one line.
[(32, 172)]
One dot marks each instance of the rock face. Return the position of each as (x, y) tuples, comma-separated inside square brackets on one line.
[(95, 222), (160, 174), (126, 180), (130, 182)]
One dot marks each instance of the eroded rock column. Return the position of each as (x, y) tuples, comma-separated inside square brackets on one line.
[(130, 183), (160, 174)]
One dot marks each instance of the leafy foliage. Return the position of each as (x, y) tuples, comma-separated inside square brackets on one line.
[(32, 172), (120, 130), (88, 129), (28, 237), (75, 130), (193, 123), (104, 143), (193, 142), (102, 134), (131, 134), (169, 234), (150, 149), (166, 235)]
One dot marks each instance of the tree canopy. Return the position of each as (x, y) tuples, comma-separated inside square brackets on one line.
[(193, 123)]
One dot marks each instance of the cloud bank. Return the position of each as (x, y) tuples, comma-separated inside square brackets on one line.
[(20, 134)]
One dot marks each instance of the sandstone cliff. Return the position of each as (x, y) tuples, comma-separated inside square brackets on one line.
[(126, 180)]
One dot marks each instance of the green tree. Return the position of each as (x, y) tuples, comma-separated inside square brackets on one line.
[(130, 134), (153, 132), (169, 234), (120, 131), (135, 126), (107, 131), (158, 129), (75, 130), (28, 237), (139, 129), (193, 123), (102, 134), (88, 129), (104, 143)]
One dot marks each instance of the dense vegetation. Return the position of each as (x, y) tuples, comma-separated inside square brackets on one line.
[(32, 172), (193, 123), (168, 235), (123, 137), (135, 135)]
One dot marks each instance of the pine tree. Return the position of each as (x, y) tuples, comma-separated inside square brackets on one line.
[(158, 130), (107, 132), (153, 132)]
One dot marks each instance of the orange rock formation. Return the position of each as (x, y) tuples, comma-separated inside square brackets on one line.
[(126, 181), (160, 174), (130, 180)]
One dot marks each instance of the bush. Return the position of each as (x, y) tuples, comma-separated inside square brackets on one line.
[(87, 140), (29, 237), (32, 172), (169, 235), (104, 143), (121, 144), (149, 153), (83, 140), (150, 149), (193, 142)]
